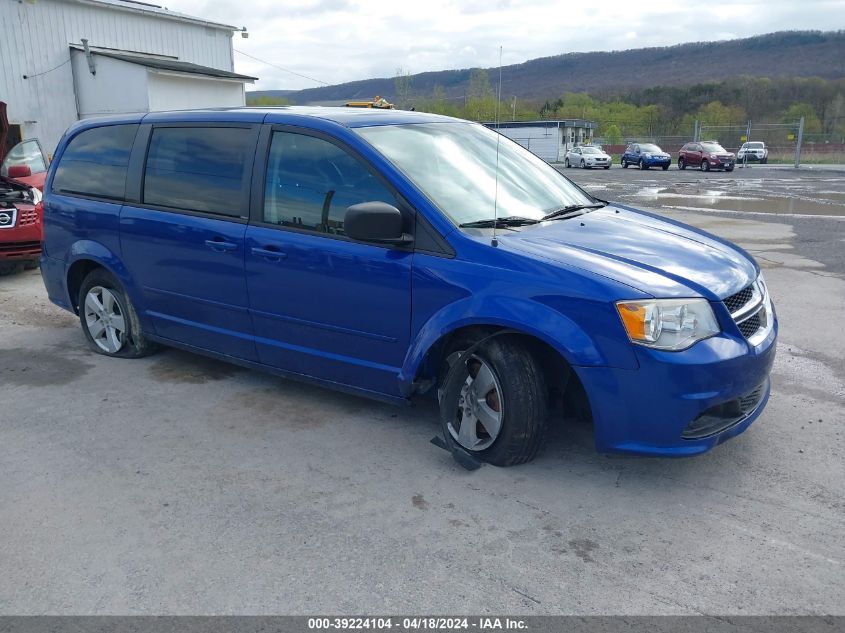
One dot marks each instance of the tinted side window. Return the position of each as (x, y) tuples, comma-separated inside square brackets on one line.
[(198, 169), (310, 183), (94, 163)]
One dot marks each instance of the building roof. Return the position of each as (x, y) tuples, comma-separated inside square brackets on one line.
[(135, 6), (161, 62), (590, 125)]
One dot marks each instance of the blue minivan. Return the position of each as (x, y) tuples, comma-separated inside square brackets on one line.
[(395, 254)]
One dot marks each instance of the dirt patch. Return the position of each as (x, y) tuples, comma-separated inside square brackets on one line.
[(419, 502), (38, 368), (583, 548), (191, 369)]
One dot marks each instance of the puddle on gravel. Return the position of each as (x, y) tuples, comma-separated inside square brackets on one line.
[(176, 366), (36, 368)]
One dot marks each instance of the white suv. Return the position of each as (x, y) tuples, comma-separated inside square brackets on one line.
[(753, 151)]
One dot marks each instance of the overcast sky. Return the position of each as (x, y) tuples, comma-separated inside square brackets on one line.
[(343, 40)]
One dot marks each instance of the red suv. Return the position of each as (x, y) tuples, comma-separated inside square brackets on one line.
[(20, 226), (706, 155)]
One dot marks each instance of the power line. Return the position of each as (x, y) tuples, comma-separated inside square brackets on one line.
[(287, 70), (67, 61)]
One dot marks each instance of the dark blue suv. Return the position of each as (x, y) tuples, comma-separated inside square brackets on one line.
[(396, 254), (645, 155)]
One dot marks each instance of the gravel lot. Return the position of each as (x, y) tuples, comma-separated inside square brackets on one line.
[(180, 485)]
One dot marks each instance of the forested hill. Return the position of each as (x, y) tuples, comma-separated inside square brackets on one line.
[(787, 53)]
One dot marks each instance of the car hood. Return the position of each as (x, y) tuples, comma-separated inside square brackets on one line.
[(656, 256)]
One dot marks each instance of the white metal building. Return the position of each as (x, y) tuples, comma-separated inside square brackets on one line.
[(139, 58), (550, 140)]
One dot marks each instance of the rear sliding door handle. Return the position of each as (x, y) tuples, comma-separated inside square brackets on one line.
[(221, 246), (271, 255)]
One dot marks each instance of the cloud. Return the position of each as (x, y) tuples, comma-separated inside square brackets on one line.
[(344, 40)]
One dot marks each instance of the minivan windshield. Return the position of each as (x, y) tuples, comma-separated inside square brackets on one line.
[(455, 165)]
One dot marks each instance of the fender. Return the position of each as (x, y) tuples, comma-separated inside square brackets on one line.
[(524, 315), (102, 255)]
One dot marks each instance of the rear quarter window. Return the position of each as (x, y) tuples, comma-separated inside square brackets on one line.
[(94, 163)]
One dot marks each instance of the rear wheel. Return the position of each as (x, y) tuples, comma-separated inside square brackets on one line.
[(108, 319), (494, 402)]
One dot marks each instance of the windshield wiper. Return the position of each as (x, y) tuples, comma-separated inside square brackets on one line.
[(570, 210), (511, 220)]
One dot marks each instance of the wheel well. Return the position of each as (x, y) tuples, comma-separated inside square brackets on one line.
[(564, 384), (79, 270)]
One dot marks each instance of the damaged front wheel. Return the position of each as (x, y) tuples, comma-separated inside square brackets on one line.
[(494, 402)]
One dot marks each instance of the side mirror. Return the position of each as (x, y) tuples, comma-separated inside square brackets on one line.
[(19, 171), (375, 222)]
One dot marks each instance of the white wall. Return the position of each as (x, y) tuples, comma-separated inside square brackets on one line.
[(171, 92), (36, 36), (542, 141), (117, 88)]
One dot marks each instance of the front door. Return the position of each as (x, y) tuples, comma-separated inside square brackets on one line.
[(184, 242), (323, 305)]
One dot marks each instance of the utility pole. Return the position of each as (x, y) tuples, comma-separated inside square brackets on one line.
[(747, 140), (798, 146), (695, 131), (513, 109)]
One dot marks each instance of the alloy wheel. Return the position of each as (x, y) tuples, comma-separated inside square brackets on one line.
[(105, 320), (478, 417)]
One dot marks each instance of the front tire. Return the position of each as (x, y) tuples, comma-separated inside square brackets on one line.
[(705, 165), (566, 163), (643, 165), (624, 164), (681, 164), (108, 319), (665, 167), (583, 164), (495, 403)]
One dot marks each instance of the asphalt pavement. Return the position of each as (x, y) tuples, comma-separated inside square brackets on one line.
[(179, 485)]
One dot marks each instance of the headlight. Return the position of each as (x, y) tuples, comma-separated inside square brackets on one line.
[(668, 324)]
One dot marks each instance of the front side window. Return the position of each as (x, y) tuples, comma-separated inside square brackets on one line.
[(94, 163), (198, 169), (467, 170), (311, 182)]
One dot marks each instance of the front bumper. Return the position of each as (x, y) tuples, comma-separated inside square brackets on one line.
[(657, 162), (650, 410)]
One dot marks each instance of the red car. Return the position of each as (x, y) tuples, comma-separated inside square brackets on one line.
[(706, 155), (26, 163), (21, 229)]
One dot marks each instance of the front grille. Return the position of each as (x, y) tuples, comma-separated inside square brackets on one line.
[(9, 247), (750, 325), (736, 302), (27, 218)]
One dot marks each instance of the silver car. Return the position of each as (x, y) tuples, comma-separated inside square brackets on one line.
[(587, 156)]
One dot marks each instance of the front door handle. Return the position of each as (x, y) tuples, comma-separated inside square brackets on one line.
[(220, 245), (270, 254)]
